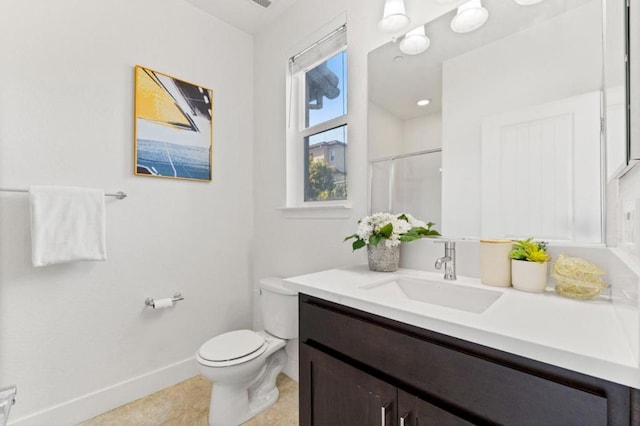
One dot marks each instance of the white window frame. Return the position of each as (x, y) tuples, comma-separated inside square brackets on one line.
[(296, 206)]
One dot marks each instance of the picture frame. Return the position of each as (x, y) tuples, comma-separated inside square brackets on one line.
[(173, 127)]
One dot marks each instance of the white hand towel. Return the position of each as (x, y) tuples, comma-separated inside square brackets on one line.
[(67, 224)]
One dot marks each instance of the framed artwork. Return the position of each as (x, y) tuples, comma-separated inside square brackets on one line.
[(173, 127)]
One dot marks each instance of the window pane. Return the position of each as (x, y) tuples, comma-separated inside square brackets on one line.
[(326, 165), (325, 92)]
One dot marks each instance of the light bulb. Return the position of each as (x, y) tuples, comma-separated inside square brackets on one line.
[(470, 17), (394, 17), (415, 41)]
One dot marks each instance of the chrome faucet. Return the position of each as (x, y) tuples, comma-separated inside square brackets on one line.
[(449, 259)]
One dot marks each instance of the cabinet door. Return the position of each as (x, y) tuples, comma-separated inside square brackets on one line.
[(414, 411), (333, 393)]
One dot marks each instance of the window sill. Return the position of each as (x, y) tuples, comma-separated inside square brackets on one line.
[(337, 211)]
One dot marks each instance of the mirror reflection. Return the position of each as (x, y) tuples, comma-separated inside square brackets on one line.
[(516, 107)]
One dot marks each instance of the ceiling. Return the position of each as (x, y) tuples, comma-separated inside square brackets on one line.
[(397, 81), (243, 14)]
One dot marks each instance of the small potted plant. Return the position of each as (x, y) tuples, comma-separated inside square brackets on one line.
[(529, 261), (382, 233)]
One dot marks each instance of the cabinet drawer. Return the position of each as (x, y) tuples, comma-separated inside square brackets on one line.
[(476, 387)]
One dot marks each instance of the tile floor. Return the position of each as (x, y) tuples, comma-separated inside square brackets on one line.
[(187, 404)]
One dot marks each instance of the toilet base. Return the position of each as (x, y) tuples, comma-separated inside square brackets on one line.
[(235, 404)]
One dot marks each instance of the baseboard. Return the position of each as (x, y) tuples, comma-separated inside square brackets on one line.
[(90, 405)]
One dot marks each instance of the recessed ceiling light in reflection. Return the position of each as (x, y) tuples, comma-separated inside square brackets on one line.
[(423, 102)]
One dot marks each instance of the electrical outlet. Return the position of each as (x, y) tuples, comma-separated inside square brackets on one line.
[(631, 225)]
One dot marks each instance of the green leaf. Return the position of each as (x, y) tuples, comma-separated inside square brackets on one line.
[(358, 244), (407, 238), (529, 250), (350, 237), (374, 239), (427, 232), (386, 230)]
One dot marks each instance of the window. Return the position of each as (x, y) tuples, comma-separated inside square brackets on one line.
[(317, 136)]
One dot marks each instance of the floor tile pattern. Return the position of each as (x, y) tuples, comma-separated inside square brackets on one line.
[(187, 404)]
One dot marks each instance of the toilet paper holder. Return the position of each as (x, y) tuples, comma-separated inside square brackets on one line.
[(175, 298)]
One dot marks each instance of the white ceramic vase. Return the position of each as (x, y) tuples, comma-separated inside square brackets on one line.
[(529, 276)]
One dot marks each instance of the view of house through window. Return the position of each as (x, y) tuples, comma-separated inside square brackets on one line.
[(326, 166), (325, 130)]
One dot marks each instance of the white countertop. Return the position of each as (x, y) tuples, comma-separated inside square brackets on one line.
[(584, 336)]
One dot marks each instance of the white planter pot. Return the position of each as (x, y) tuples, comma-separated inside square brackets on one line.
[(529, 276), (382, 258)]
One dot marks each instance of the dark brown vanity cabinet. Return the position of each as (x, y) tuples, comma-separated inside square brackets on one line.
[(358, 369), (345, 395)]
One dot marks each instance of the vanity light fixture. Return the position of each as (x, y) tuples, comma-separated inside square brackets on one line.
[(423, 102), (470, 17), (527, 2), (394, 18), (415, 41)]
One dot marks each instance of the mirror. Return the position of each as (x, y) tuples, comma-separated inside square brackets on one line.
[(516, 108)]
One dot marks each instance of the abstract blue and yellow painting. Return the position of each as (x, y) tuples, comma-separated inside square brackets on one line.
[(173, 127)]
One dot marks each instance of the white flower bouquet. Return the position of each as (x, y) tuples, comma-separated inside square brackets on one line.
[(393, 229)]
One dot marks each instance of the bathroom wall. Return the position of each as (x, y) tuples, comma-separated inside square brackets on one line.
[(288, 246), (386, 133), (77, 338), (500, 67), (424, 132), (629, 214)]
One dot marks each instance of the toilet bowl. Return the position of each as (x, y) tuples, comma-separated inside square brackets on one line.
[(243, 365)]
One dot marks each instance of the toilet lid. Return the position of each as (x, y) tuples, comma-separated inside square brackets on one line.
[(232, 345)]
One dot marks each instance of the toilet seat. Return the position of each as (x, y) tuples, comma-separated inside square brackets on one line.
[(232, 348)]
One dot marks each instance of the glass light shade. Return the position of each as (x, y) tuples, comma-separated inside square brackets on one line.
[(470, 17), (394, 17), (527, 2), (415, 41)]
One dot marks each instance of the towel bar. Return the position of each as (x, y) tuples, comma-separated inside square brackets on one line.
[(119, 195)]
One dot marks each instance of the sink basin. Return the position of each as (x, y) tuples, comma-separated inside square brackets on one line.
[(475, 300)]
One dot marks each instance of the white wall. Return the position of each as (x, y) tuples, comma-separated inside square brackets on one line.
[(285, 246), (422, 133), (629, 212), (509, 74), (385, 132), (66, 104), (389, 135)]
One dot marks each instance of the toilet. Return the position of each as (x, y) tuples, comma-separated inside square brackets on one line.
[(243, 365)]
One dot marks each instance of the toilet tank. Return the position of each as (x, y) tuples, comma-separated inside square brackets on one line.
[(279, 307)]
